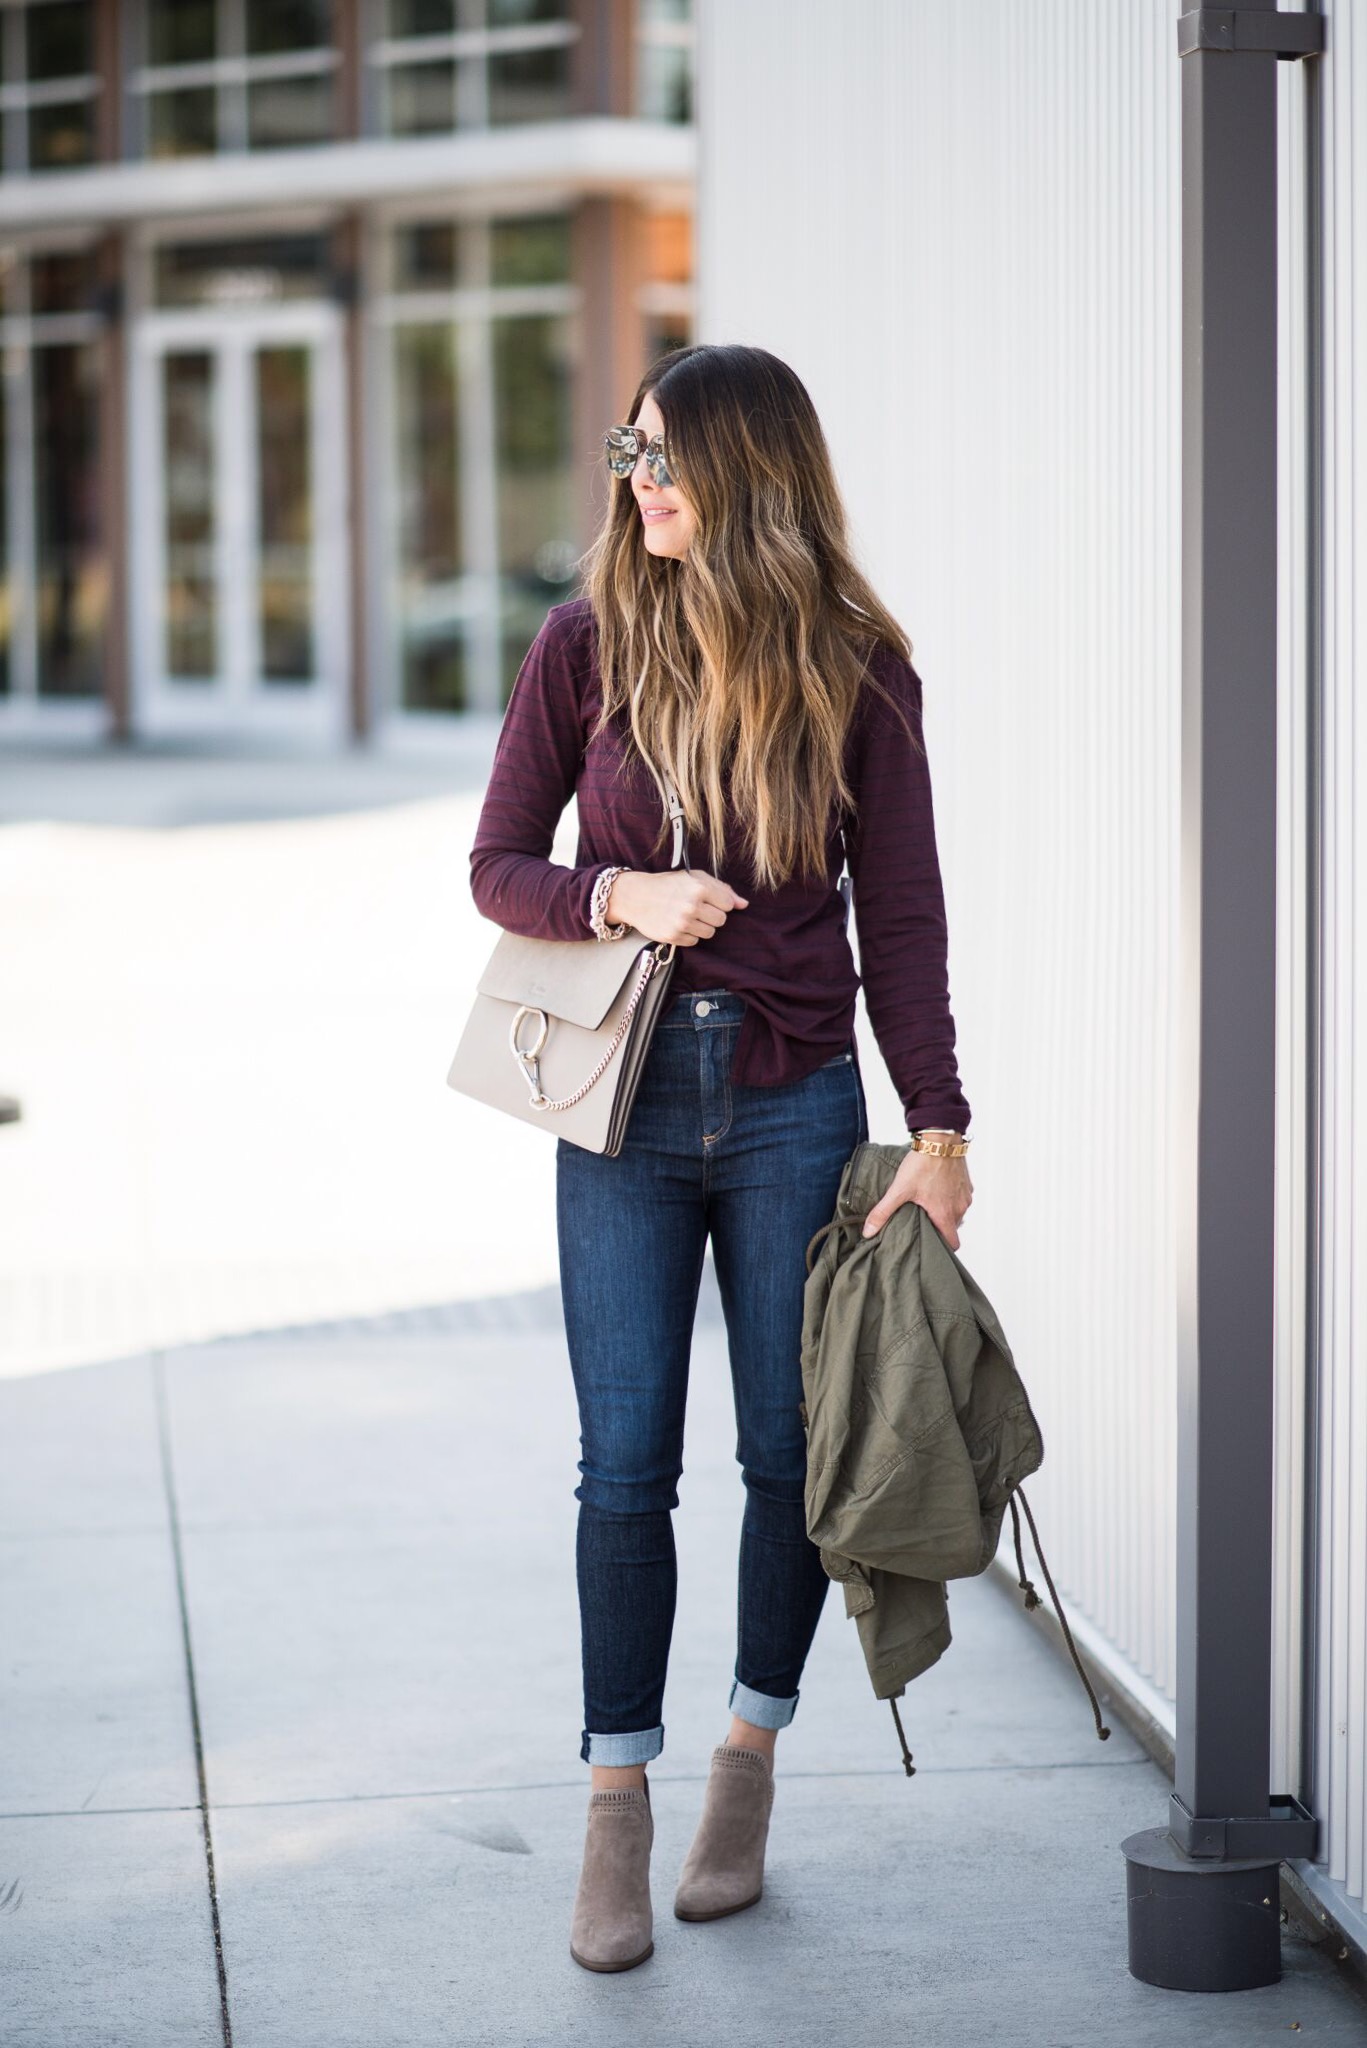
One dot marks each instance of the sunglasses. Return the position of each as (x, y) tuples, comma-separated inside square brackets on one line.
[(625, 447)]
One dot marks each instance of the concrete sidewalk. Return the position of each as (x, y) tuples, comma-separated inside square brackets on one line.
[(324, 1583)]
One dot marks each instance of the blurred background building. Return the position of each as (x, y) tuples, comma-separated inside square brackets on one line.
[(313, 313)]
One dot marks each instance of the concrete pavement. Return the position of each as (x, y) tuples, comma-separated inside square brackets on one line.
[(325, 1580)]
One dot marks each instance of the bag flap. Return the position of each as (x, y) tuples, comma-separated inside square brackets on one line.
[(577, 979)]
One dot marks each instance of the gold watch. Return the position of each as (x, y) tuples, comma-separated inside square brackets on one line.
[(933, 1142)]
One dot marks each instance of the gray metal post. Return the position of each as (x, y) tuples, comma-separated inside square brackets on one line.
[(1203, 1892)]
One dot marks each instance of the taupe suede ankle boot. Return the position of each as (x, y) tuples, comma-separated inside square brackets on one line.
[(724, 1870), (612, 1925)]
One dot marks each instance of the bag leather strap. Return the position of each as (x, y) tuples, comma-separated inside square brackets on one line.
[(845, 885), (676, 812)]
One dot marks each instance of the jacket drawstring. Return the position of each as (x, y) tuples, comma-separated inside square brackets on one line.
[(907, 1763), (835, 1224), (1032, 1598)]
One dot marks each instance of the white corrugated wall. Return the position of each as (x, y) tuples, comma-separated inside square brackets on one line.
[(1338, 1185), (961, 226)]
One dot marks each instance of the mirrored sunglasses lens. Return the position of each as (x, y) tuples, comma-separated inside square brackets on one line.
[(622, 450)]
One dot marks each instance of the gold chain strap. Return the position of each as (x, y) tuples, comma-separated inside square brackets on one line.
[(529, 1059)]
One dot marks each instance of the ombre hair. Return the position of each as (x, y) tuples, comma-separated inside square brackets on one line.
[(740, 664)]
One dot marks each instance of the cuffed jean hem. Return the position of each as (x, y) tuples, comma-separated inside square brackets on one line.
[(641, 1746), (761, 1709)]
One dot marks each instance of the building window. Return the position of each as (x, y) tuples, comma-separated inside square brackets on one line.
[(480, 323), (53, 577), (187, 453), (231, 75), (665, 300), (664, 60), (440, 65), (48, 84), (247, 270)]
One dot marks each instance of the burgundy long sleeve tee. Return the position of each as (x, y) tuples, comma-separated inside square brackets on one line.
[(787, 954)]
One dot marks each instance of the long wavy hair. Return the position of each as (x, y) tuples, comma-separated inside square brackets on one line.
[(740, 664)]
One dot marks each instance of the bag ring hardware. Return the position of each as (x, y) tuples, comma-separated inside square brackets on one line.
[(529, 1052), (528, 1058), (657, 954)]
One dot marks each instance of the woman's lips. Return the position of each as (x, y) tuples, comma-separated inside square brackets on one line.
[(654, 513)]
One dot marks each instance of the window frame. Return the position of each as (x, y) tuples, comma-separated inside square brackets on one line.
[(19, 95), (229, 74), (664, 35), (469, 48), (22, 334), (471, 309)]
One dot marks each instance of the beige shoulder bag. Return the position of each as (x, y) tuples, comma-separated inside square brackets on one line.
[(560, 1027)]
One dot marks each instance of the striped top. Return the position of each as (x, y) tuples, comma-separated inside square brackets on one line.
[(787, 954)]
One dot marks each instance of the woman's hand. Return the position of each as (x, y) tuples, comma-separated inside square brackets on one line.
[(941, 1186), (679, 905)]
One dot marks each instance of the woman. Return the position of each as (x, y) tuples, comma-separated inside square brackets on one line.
[(727, 638)]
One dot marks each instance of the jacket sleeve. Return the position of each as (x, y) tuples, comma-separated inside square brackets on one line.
[(899, 902), (535, 770)]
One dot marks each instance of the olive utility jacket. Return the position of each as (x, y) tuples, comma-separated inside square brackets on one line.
[(919, 1428)]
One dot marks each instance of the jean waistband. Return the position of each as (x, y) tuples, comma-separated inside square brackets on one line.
[(702, 1009)]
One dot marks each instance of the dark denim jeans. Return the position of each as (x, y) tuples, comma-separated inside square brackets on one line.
[(757, 1170)]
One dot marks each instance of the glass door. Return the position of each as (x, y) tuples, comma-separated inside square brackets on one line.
[(240, 525)]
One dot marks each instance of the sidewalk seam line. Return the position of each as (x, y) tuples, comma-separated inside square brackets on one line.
[(681, 1778), (1119, 1763), (157, 1361)]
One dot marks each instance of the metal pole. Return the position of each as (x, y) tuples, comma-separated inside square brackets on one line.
[(1203, 1892)]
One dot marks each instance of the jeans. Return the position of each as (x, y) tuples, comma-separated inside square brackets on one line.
[(757, 1170)]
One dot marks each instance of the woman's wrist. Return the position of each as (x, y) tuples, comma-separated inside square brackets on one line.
[(939, 1143), (615, 907), (605, 916)]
